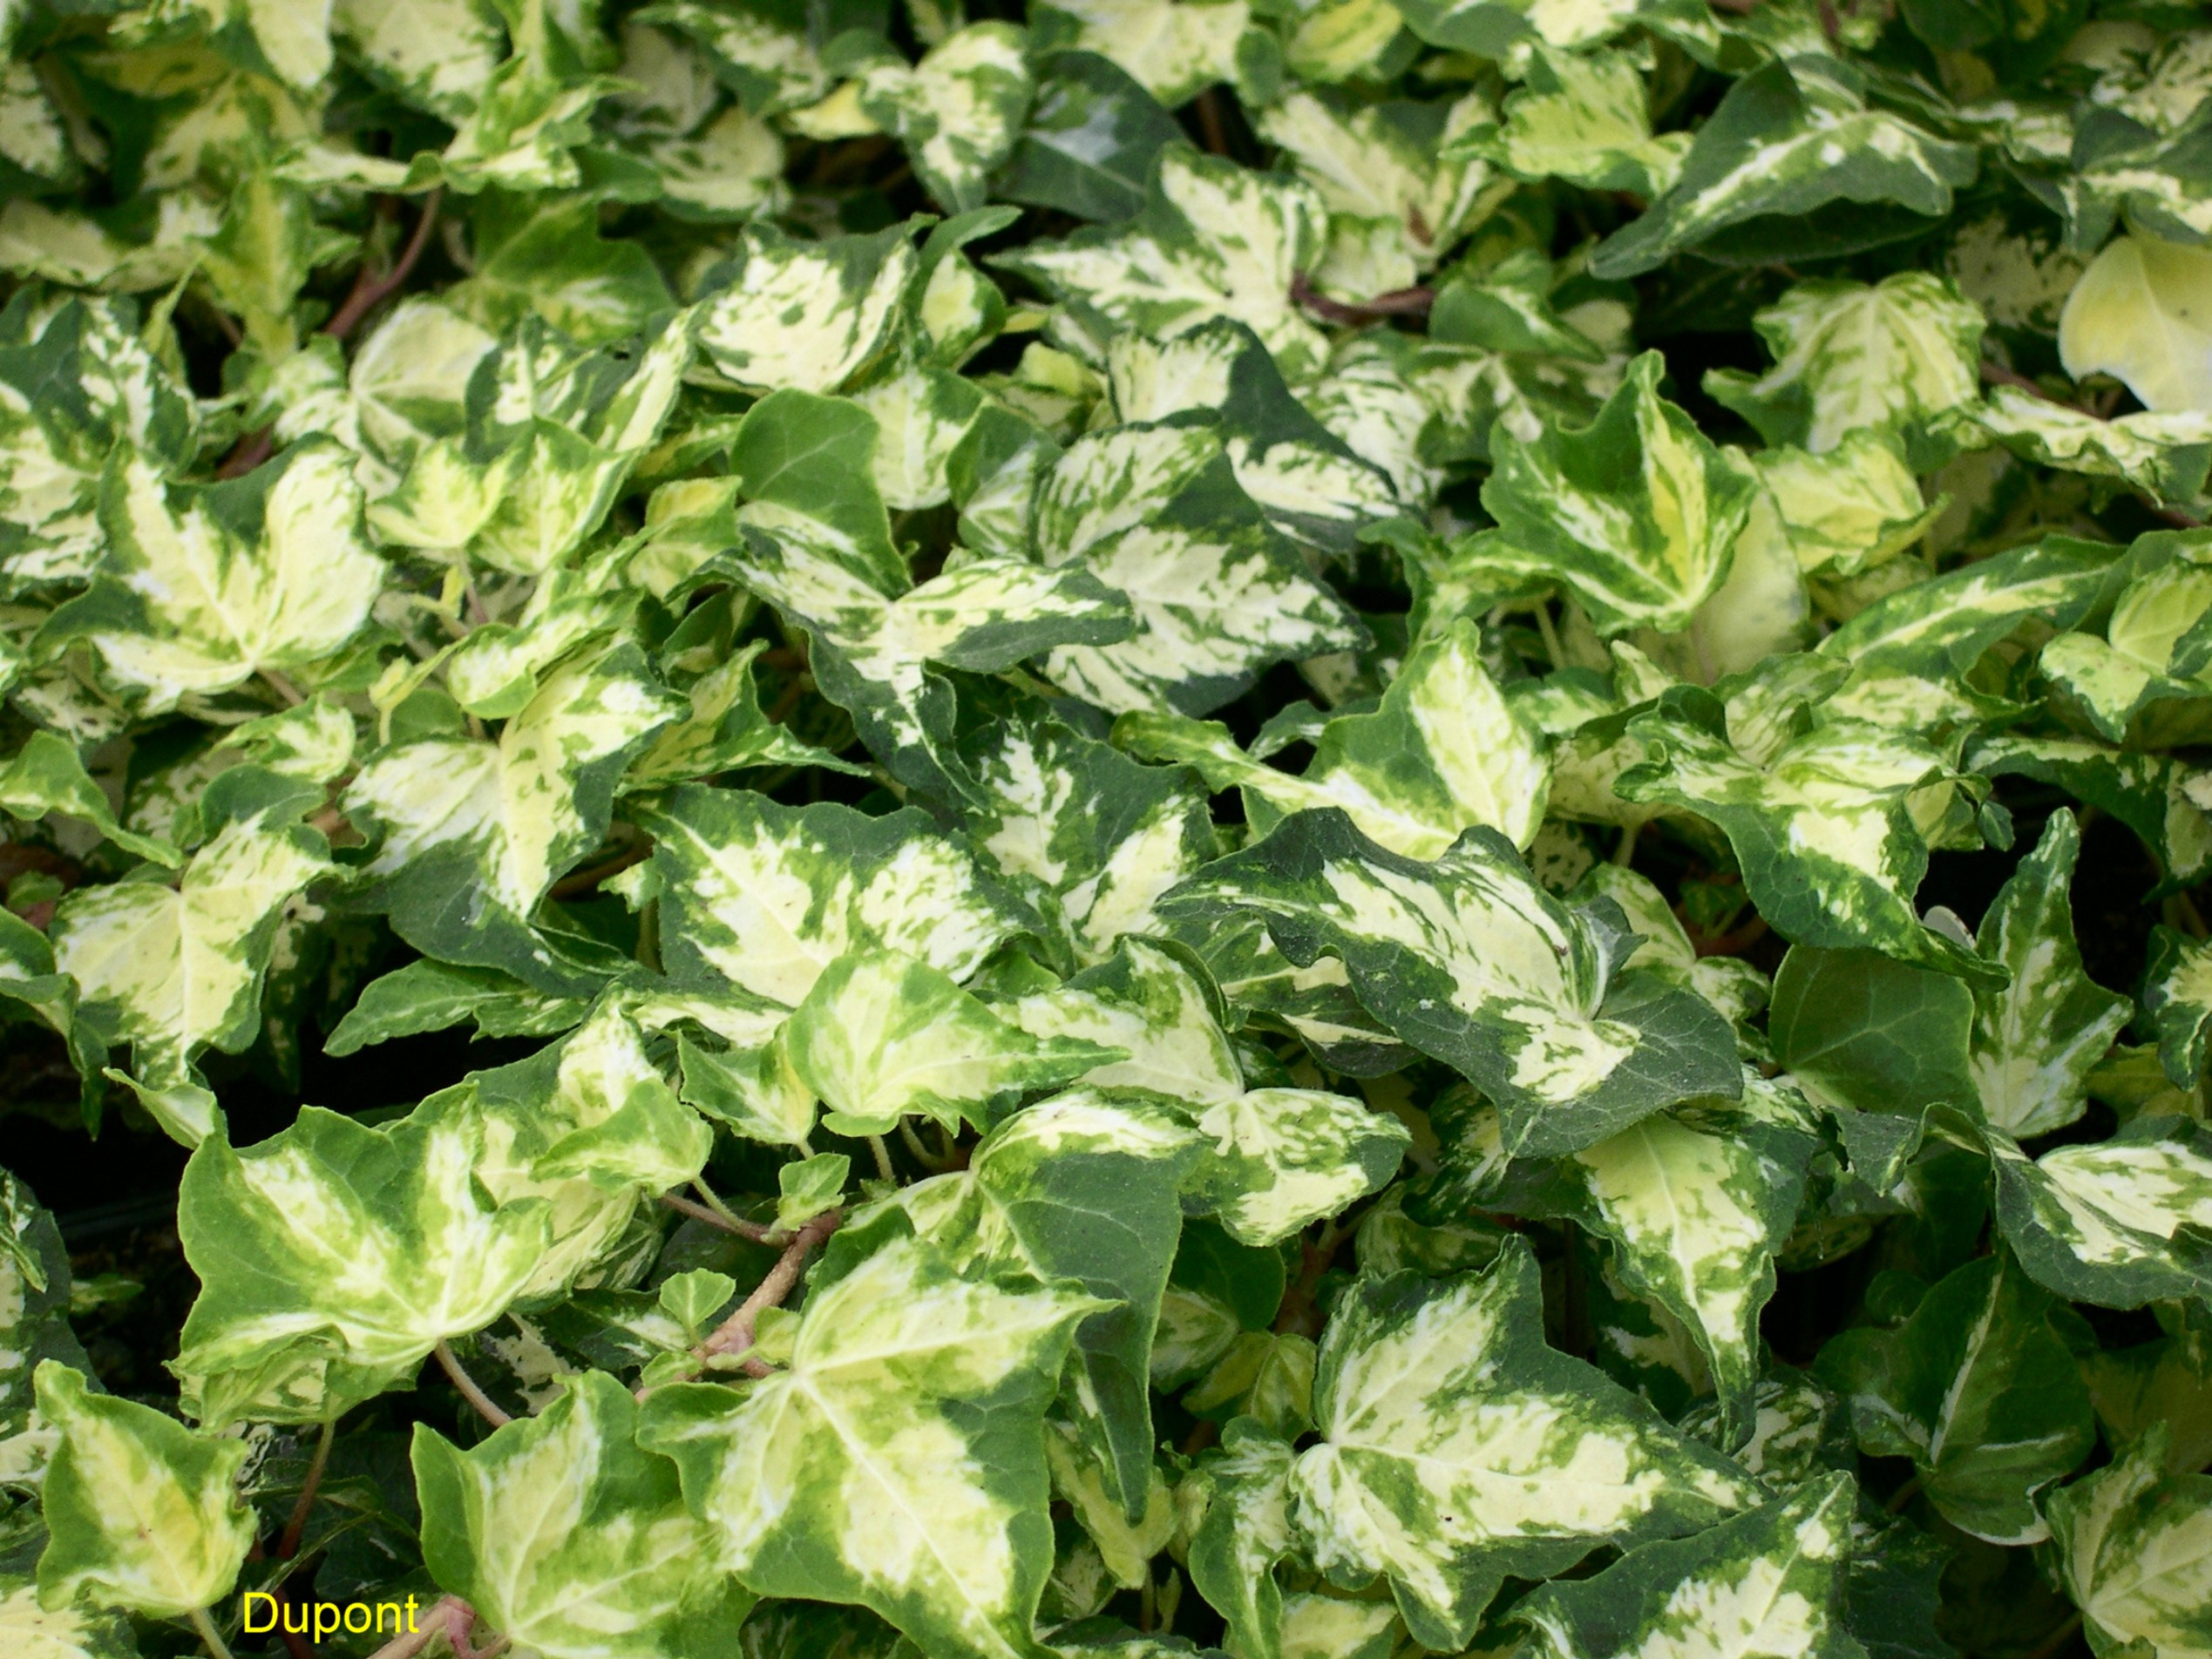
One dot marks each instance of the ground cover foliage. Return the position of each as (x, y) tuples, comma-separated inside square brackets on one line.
[(1315, 829)]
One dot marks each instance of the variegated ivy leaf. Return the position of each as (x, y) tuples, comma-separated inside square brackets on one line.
[(899, 1463), (1443, 754), (471, 832), (173, 971), (334, 1257), (1636, 512), (1243, 1530), (809, 316), (142, 1513), (1089, 145), (1456, 1449), (1492, 27), (1213, 240), (2118, 1223), (1155, 512), (1308, 481), (2135, 1551), (1149, 1003), (1695, 1216), (554, 431), (764, 897), (1847, 510), (2165, 454), (1825, 829), (1946, 622), (2132, 316), (46, 775), (201, 588), (2177, 1002), (1080, 1188), (769, 59), (1978, 1391), (35, 1289), (880, 1035), (1771, 1583), (1171, 48), (1127, 1548), (959, 111), (2036, 1040), (1090, 837), (1793, 150), (439, 54), (78, 1631), (726, 731), (1893, 355), (566, 1537), (1585, 117), (590, 1126), (1283, 1158), (74, 386), (1388, 165), (1468, 958)]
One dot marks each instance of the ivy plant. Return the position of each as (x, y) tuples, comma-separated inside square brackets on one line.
[(1106, 829)]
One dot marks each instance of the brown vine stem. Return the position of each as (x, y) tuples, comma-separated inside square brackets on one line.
[(2056, 1642), (754, 1230), (448, 1616), (289, 1545), (368, 291), (1399, 303), (486, 1407), (735, 1334)]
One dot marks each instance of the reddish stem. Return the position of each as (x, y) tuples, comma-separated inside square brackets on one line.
[(1399, 303), (735, 1334)]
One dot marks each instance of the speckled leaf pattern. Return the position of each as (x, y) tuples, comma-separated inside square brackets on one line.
[(2133, 1543), (1451, 1435), (866, 1473), (143, 1513), (1470, 959), (1768, 1582), (2118, 1223), (565, 1533), (334, 1257)]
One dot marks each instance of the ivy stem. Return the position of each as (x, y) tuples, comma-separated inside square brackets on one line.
[(208, 1634), (368, 291), (2057, 1640), (289, 1545), (1550, 636), (448, 1616), (723, 1219), (883, 1157), (923, 1156), (735, 1334), (283, 687), (1904, 1495), (485, 1405)]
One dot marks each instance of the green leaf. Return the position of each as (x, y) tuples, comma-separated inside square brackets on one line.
[(1824, 829), (2177, 1003), (1441, 755), (2118, 1223), (1169, 48), (2131, 1546), (1892, 356), (1771, 1581), (1977, 1390), (2133, 315), (76, 1632), (881, 1034), (202, 588), (2037, 1040), (1090, 837), (469, 833), (567, 1538), (142, 1512), (1862, 1032), (334, 1257), (1794, 141), (1585, 117), (173, 972), (1088, 144), (959, 111), (2165, 455), (1156, 513), (1456, 1449), (899, 1463), (1242, 1532), (809, 316), (34, 1308), (1082, 1188), (764, 897), (46, 775), (1213, 240), (1635, 512), (1468, 960)]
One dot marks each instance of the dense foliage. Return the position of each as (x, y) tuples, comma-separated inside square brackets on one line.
[(1314, 827)]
